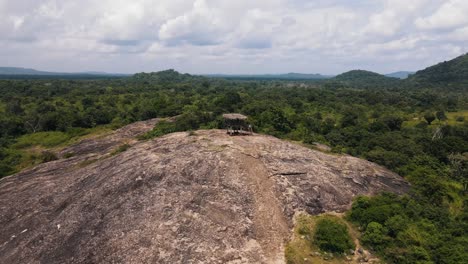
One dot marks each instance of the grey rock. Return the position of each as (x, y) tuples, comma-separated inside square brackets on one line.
[(164, 200)]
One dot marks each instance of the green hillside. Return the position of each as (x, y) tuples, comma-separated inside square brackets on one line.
[(167, 76), (452, 73), (366, 79)]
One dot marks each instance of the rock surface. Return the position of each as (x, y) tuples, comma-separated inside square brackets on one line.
[(106, 144), (182, 198)]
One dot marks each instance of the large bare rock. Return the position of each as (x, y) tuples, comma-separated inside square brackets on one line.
[(202, 197), (105, 144)]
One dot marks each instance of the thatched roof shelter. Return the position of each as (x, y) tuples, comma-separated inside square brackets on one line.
[(236, 124), (234, 116)]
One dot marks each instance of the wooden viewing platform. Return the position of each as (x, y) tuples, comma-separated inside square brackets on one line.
[(236, 124)]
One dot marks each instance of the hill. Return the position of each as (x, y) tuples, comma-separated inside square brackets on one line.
[(203, 197), (167, 76), (452, 73), (399, 74), (365, 79), (25, 73), (286, 76)]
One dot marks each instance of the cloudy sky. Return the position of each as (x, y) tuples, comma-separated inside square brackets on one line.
[(231, 36)]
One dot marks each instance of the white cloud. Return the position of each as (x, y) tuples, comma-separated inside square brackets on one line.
[(17, 21), (202, 25), (204, 36), (449, 15), (394, 16), (460, 34), (50, 10)]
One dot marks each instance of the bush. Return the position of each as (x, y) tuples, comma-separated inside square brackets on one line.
[(429, 117), (390, 159), (161, 129), (68, 155), (120, 149), (47, 156), (332, 235), (375, 236), (5, 170)]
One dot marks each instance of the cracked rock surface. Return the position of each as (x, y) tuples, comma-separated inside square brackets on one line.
[(183, 198)]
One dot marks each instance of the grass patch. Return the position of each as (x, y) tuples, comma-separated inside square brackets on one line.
[(120, 149), (161, 129), (304, 247), (2, 107), (45, 139), (78, 134), (454, 198), (31, 149), (87, 162), (453, 118), (9, 160), (50, 139), (18, 160), (457, 117), (68, 155)]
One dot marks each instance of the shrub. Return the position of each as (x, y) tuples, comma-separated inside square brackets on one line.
[(375, 236), (5, 170), (161, 129), (331, 235), (429, 117), (120, 149), (389, 159), (68, 155), (47, 156)]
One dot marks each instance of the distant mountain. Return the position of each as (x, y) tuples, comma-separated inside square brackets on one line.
[(359, 74), (399, 74), (167, 76), (286, 76), (25, 71), (365, 79), (452, 73)]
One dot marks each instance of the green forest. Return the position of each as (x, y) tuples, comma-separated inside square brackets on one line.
[(419, 131)]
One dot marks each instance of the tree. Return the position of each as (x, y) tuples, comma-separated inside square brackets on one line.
[(459, 168), (350, 118), (375, 236), (392, 122), (228, 101), (390, 159), (332, 235), (441, 115), (427, 185), (429, 117), (327, 125), (14, 107)]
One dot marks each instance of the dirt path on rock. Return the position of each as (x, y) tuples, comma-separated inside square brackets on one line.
[(271, 228)]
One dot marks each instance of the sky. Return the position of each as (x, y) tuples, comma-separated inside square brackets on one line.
[(231, 36)]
